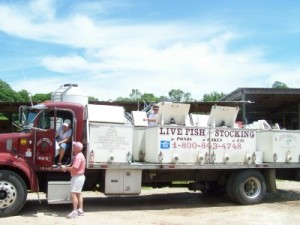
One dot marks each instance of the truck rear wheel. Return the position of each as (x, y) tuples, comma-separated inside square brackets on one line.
[(229, 185), (13, 193), (249, 187)]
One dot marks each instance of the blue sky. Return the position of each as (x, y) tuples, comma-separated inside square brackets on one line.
[(109, 47)]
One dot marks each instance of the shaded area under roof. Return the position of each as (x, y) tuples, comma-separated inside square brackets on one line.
[(275, 105)]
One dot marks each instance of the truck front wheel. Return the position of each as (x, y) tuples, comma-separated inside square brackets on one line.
[(13, 193), (249, 187)]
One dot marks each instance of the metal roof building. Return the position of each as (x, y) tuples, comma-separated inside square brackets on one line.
[(280, 106)]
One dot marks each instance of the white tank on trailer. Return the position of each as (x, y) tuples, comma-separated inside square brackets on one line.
[(69, 93), (279, 146)]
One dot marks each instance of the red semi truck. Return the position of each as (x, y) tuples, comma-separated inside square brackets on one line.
[(209, 153)]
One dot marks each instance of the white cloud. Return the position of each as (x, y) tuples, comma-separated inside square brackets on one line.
[(109, 58), (67, 64), (43, 9)]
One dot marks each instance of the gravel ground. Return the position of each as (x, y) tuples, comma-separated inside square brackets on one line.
[(167, 207)]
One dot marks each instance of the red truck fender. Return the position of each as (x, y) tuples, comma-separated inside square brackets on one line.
[(20, 165)]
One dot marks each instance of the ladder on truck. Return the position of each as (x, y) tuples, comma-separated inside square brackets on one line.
[(57, 95)]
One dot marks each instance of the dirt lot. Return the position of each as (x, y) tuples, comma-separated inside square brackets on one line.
[(167, 207)]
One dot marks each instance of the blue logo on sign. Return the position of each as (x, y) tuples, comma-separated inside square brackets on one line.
[(165, 144)]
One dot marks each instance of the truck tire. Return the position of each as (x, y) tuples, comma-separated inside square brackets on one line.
[(249, 187), (13, 193), (229, 185)]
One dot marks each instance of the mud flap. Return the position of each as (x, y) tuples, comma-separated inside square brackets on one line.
[(270, 177)]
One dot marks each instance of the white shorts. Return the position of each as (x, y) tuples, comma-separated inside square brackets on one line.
[(77, 183)]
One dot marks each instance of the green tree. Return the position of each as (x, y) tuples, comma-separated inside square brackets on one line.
[(122, 99), (24, 95), (135, 94), (7, 94), (149, 97), (279, 85), (187, 97), (93, 98), (163, 99), (41, 97), (178, 95), (213, 96)]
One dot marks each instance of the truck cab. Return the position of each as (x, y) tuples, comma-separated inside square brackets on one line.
[(40, 123), (27, 157)]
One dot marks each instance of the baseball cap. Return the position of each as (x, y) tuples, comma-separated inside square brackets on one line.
[(156, 106), (67, 123)]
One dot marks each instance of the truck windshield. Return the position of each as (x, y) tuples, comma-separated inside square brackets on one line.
[(28, 116), (29, 120)]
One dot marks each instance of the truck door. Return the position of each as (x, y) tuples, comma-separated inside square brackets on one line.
[(45, 140)]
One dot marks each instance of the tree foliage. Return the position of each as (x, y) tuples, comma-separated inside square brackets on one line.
[(213, 96), (41, 97), (92, 98), (279, 85), (149, 97), (7, 94), (178, 95), (123, 99), (24, 95), (135, 95)]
